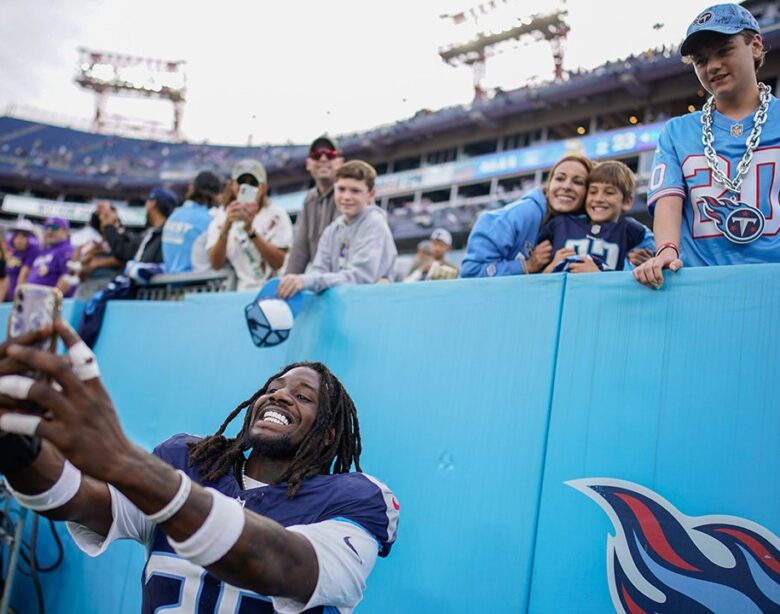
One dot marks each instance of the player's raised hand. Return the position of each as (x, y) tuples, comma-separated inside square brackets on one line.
[(650, 273), (78, 415)]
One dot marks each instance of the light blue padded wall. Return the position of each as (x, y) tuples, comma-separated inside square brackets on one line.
[(673, 390), (452, 383)]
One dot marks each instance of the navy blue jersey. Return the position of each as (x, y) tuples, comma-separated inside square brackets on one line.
[(608, 241), (172, 582)]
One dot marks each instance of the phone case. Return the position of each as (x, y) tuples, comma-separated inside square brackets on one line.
[(247, 193), (35, 306)]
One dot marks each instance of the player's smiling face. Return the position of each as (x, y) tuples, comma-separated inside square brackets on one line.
[(566, 187), (605, 203), (726, 66), (286, 412)]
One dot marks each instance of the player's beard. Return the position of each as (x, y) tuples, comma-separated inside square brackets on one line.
[(276, 448)]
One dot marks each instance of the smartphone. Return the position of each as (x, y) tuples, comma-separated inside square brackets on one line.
[(247, 193), (35, 306)]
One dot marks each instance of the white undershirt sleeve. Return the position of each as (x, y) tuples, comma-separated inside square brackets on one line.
[(129, 523), (346, 554)]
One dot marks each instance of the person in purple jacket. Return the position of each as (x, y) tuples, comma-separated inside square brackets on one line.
[(50, 268), (23, 248)]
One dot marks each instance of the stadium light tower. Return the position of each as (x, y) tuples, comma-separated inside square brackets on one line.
[(108, 73), (494, 29)]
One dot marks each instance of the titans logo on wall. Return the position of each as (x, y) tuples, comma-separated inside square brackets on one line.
[(738, 222), (661, 561)]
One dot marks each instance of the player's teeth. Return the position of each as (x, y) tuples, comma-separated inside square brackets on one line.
[(276, 418)]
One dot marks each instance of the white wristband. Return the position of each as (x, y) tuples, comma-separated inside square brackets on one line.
[(84, 362), (218, 533), (175, 504), (63, 490)]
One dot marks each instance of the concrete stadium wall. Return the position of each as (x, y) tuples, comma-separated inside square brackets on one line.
[(478, 399)]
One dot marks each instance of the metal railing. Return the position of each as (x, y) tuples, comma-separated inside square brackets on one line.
[(174, 287)]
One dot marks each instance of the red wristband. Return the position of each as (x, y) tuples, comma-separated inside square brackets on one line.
[(663, 246)]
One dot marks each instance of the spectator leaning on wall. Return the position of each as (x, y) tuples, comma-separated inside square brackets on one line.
[(601, 238), (319, 206), (184, 233), (713, 200), (502, 241), (357, 248), (253, 235)]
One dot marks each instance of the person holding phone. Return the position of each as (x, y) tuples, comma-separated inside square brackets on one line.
[(251, 234)]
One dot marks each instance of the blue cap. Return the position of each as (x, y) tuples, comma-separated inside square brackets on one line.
[(269, 318), (164, 197), (723, 18)]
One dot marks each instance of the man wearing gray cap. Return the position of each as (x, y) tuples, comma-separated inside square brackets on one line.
[(319, 206), (251, 233)]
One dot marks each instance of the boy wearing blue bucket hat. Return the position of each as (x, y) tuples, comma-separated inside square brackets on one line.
[(712, 199)]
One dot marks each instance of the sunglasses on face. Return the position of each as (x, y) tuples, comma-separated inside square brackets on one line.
[(51, 227), (330, 154)]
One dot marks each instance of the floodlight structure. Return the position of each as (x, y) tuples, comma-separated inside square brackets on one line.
[(473, 53), (113, 74)]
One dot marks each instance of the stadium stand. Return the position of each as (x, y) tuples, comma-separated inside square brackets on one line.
[(437, 168)]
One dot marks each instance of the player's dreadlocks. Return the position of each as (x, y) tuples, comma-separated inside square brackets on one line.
[(336, 415)]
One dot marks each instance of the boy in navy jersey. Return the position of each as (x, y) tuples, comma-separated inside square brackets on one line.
[(713, 190), (601, 239)]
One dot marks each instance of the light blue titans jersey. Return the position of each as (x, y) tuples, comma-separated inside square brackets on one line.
[(680, 169), (181, 230)]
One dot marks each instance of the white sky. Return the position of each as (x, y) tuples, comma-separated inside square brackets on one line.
[(290, 70)]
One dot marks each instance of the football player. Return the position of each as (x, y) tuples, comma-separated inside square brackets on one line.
[(271, 520)]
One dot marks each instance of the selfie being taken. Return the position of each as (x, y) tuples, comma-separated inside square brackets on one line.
[(221, 391)]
